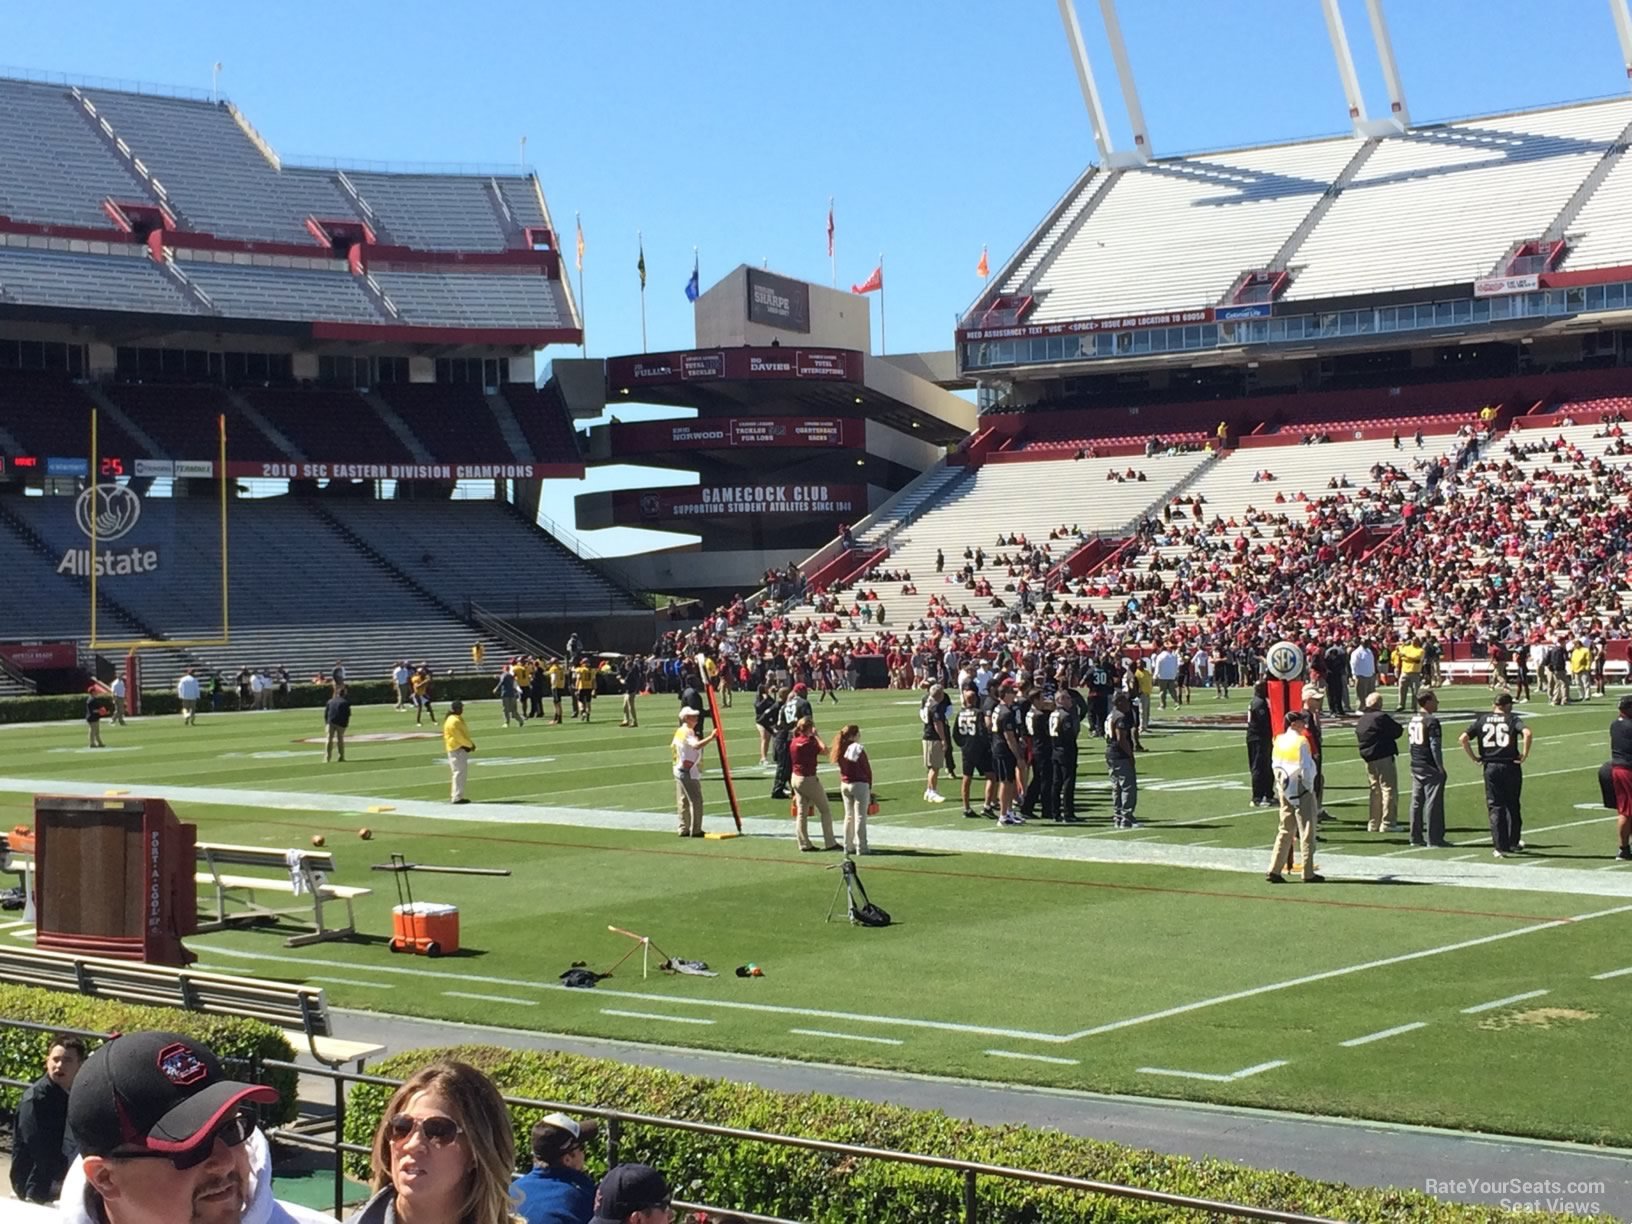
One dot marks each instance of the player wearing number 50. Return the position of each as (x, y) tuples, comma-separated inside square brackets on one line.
[(1503, 744), (687, 750)]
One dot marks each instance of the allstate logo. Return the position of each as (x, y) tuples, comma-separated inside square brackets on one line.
[(112, 508)]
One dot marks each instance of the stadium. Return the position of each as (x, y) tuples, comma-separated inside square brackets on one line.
[(1244, 433)]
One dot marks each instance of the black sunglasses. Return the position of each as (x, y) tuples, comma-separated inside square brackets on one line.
[(233, 1132), (438, 1130)]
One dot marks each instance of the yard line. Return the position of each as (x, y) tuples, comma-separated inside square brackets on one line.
[(1495, 1003), (1461, 858), (634, 1015), (893, 1041), (1042, 1058), (1613, 973), (1215, 1079), (1384, 1033), (487, 998), (1543, 829), (1211, 841), (1308, 979)]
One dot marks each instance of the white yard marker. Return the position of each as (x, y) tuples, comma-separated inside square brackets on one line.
[(1042, 1058), (634, 1015), (1386, 1033), (1613, 973), (1495, 1003), (1215, 1079), (890, 1041), (487, 998)]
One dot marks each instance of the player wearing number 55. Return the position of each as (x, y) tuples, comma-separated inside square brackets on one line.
[(1503, 744)]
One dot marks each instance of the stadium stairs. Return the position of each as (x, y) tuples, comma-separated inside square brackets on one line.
[(399, 577)]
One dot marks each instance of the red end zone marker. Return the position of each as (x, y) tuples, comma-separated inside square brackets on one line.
[(719, 740)]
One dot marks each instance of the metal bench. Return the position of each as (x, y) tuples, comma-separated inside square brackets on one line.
[(301, 1012), (297, 873)]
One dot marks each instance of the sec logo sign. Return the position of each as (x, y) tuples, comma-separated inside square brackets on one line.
[(1285, 660)]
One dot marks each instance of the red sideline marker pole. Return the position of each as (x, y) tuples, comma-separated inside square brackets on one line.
[(719, 740)]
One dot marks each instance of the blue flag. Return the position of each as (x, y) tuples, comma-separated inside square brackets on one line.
[(692, 290)]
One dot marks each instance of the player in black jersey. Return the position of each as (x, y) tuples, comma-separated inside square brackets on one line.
[(1503, 744), (1040, 785), (1099, 696), (969, 734), (1006, 750), (1063, 725), (1425, 737)]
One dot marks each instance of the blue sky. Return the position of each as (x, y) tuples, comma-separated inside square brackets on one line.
[(726, 125)]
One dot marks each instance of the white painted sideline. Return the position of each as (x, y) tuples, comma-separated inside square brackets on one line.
[(804, 1032), (1042, 1058), (1505, 875), (487, 998), (1384, 1034), (634, 1015), (1495, 1003), (1242, 1074)]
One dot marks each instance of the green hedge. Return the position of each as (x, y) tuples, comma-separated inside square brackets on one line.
[(823, 1188), (299, 696), (23, 1051)]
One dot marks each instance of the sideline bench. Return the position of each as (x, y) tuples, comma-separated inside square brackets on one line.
[(296, 873), (301, 1012)]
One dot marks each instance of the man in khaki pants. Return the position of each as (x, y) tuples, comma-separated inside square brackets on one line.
[(686, 747), (1295, 787), (1378, 733)]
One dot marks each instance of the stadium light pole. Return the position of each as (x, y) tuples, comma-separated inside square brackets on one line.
[(1345, 64), (1124, 75), (215, 80), (1391, 69), (1623, 31), (1085, 78)]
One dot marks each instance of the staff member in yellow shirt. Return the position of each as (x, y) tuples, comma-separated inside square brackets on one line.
[(557, 672), (1580, 668), (1409, 654), (456, 739), (583, 683)]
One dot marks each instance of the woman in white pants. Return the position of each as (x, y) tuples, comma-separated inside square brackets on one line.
[(856, 785)]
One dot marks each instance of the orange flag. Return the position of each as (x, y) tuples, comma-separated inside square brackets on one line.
[(983, 269)]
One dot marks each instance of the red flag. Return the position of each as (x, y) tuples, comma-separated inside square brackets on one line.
[(983, 269), (872, 284), (830, 229)]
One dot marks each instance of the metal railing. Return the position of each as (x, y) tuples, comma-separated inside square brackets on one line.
[(968, 1172)]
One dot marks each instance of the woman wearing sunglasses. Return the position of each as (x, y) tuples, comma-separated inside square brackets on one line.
[(444, 1152)]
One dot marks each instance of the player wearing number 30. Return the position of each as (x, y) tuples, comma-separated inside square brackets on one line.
[(1503, 743)]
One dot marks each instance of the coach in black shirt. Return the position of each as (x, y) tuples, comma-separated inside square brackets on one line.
[(1425, 736), (1503, 744), (1260, 737), (1377, 734)]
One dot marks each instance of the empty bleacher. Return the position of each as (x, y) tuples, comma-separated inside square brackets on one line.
[(452, 420), (480, 551), (181, 417), (215, 175), (129, 282), (54, 167), (464, 299), (542, 415), (49, 415), (1176, 233), (301, 294), (441, 212), (329, 425), (1443, 204), (1601, 234)]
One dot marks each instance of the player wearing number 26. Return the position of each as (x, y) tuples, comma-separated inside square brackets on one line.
[(1501, 743)]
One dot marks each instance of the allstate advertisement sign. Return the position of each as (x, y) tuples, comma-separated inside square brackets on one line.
[(107, 512)]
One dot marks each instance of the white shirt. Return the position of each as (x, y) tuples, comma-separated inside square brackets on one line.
[(119, 687), (982, 679), (1166, 666), (687, 751), (256, 683), (400, 676), (187, 688), (1362, 663), (1200, 663)]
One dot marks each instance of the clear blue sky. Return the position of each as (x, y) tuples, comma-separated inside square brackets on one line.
[(726, 125)]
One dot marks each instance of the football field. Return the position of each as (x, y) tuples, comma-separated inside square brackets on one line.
[(1426, 986)]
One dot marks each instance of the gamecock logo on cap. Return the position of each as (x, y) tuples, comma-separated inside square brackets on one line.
[(113, 509)]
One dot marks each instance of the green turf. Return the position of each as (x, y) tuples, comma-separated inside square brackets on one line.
[(989, 951)]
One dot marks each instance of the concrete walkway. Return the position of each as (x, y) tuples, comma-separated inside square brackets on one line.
[(1357, 1152)]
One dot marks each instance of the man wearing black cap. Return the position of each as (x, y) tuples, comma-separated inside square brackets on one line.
[(796, 706), (165, 1138), (633, 1194), (558, 1190), (1503, 744)]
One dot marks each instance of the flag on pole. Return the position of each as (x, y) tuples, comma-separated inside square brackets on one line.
[(830, 227), (872, 284), (580, 222), (693, 290), (640, 264), (983, 269)]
